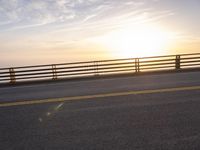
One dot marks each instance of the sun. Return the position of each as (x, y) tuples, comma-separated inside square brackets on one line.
[(137, 41)]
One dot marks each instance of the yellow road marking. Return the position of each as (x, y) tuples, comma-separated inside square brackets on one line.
[(63, 99)]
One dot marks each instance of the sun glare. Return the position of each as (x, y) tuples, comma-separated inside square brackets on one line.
[(139, 41)]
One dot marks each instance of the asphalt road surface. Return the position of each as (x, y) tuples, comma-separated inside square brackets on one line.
[(149, 112)]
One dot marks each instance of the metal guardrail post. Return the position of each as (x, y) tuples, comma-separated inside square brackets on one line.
[(137, 65), (178, 62), (96, 69), (12, 75), (54, 72)]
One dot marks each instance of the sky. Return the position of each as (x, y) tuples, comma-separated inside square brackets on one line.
[(55, 31)]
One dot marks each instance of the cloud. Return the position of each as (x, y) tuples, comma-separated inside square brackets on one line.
[(109, 17), (22, 12), (18, 14), (71, 21)]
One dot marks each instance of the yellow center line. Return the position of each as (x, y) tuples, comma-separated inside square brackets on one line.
[(73, 98)]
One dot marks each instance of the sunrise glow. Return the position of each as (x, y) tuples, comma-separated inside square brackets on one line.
[(137, 41), (43, 32)]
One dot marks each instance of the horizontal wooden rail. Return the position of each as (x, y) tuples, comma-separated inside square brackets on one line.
[(99, 68)]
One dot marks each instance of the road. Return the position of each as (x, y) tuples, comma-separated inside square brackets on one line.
[(149, 112)]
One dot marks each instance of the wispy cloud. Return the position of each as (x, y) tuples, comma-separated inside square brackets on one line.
[(18, 14), (71, 21)]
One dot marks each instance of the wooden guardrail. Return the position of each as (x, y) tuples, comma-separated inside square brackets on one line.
[(99, 68)]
